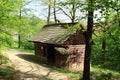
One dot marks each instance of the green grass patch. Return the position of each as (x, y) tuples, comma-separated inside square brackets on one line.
[(69, 73), (25, 50), (6, 69), (3, 58), (96, 74), (7, 72), (105, 71)]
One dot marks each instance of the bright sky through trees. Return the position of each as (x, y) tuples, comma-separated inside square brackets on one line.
[(41, 11)]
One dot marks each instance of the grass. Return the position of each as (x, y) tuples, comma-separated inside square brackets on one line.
[(25, 50), (3, 58), (6, 70), (96, 72), (69, 73), (105, 71)]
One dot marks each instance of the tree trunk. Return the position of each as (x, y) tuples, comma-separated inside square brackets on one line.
[(86, 72), (118, 17), (103, 46), (19, 41), (19, 36), (49, 9), (55, 19), (103, 50), (74, 10)]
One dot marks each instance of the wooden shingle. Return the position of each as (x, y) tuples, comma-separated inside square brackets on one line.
[(53, 34)]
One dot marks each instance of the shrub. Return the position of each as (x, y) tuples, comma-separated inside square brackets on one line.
[(28, 45)]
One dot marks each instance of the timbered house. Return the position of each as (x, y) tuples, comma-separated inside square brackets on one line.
[(56, 45)]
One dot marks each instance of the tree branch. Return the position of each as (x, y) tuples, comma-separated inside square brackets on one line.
[(64, 12)]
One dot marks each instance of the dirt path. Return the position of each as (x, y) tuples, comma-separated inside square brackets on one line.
[(31, 69)]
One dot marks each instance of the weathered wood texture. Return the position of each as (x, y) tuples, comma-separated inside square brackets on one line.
[(68, 54), (76, 38), (74, 61)]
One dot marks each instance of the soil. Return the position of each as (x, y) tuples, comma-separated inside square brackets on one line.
[(29, 68)]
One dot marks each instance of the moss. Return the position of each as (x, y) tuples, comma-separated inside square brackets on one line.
[(62, 51)]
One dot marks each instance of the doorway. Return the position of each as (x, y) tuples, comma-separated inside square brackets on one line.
[(51, 53)]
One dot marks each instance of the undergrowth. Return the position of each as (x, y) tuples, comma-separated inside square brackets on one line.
[(96, 74), (6, 69), (25, 50)]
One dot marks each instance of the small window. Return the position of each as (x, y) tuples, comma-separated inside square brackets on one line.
[(41, 47)]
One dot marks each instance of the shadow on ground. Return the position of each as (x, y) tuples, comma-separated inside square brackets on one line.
[(31, 58), (27, 75)]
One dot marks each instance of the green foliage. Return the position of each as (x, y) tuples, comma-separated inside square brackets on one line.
[(28, 45), (12, 23), (69, 73), (26, 50), (6, 29), (7, 73), (6, 70), (96, 74), (71, 9), (3, 58), (73, 29), (110, 59), (5, 40), (6, 7), (109, 31), (47, 2), (28, 30)]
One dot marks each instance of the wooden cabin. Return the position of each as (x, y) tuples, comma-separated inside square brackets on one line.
[(56, 45)]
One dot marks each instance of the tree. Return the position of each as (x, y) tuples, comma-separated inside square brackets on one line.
[(108, 35), (6, 21), (22, 20), (107, 10), (115, 5), (55, 18), (49, 3), (49, 12), (69, 8), (88, 37), (19, 36)]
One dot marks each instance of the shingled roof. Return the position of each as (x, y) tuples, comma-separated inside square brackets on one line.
[(52, 34)]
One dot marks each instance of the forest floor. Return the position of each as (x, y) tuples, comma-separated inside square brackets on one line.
[(31, 69)]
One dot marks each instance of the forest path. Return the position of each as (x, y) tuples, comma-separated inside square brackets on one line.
[(31, 69)]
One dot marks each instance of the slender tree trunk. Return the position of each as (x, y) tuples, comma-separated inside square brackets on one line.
[(74, 10), (103, 45), (19, 41), (118, 17), (55, 19), (19, 35), (118, 13), (49, 11), (103, 50), (86, 72)]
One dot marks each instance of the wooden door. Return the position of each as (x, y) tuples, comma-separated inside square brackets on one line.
[(51, 53)]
